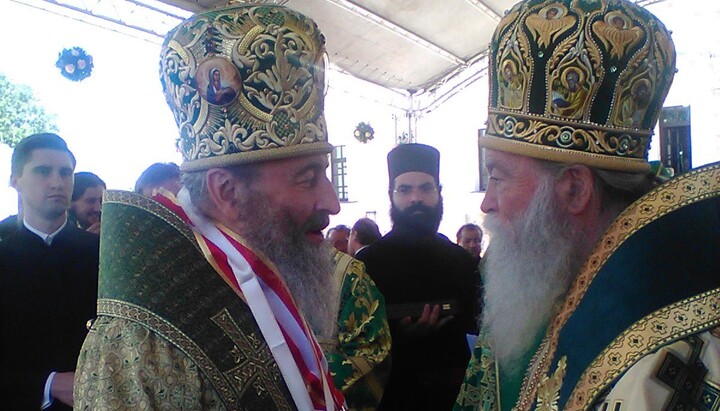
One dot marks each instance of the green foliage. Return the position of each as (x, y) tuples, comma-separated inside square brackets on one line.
[(20, 113)]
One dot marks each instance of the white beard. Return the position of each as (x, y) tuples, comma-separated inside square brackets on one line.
[(528, 268)]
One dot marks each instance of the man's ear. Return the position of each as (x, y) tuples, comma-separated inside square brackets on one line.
[(575, 188), (221, 185)]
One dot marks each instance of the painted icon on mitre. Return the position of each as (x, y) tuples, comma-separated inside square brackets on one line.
[(218, 81)]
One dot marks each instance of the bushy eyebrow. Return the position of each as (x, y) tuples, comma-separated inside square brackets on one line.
[(44, 167), (311, 166), (492, 166), (426, 184)]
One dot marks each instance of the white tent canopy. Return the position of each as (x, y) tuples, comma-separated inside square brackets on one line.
[(425, 50)]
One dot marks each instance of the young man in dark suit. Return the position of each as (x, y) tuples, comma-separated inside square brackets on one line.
[(48, 281)]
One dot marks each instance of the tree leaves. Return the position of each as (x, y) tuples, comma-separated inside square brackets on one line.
[(21, 113)]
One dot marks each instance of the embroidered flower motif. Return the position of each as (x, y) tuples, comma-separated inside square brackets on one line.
[(668, 197), (627, 223), (635, 341), (659, 327), (681, 318), (647, 209)]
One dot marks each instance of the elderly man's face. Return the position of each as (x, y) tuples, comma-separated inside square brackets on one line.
[(282, 214), (300, 187), (513, 181)]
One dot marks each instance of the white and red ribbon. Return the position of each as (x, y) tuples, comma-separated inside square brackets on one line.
[(292, 343)]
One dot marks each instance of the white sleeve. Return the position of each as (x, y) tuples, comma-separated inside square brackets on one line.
[(47, 398), (640, 389)]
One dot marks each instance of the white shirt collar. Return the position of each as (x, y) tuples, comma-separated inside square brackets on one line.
[(47, 238), (358, 250)]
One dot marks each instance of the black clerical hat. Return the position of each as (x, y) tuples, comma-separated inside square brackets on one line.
[(413, 157)]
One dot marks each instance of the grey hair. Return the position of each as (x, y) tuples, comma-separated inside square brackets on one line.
[(620, 189), (617, 189), (196, 183)]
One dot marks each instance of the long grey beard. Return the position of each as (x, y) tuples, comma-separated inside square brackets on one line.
[(529, 266), (307, 268)]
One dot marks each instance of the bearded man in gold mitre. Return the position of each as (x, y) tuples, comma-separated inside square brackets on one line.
[(213, 299), (601, 278)]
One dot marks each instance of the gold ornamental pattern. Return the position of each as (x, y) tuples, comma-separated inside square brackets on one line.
[(550, 22), (554, 140), (598, 65), (153, 207), (683, 190), (549, 388), (245, 83), (514, 70), (121, 309), (617, 33), (255, 367), (644, 337)]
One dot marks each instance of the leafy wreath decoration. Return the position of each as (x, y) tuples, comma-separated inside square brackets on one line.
[(364, 132), (75, 64)]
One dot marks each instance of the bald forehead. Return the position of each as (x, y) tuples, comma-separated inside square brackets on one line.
[(511, 163)]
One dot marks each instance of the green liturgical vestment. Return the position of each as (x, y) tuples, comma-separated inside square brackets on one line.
[(208, 354), (358, 357), (170, 333)]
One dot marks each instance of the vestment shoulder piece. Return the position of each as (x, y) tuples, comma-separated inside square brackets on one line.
[(153, 272), (651, 280)]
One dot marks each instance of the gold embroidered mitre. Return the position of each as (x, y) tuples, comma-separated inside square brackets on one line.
[(245, 84), (578, 81)]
